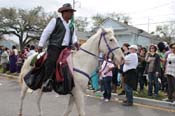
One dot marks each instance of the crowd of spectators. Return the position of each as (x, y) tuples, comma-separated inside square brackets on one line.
[(11, 60), (149, 68)]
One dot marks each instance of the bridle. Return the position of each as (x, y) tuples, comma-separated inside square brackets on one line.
[(110, 51)]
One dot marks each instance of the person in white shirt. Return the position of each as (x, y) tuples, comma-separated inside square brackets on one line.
[(170, 72), (129, 69), (4, 59), (60, 34), (32, 51)]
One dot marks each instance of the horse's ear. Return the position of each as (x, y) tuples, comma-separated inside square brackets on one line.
[(103, 29)]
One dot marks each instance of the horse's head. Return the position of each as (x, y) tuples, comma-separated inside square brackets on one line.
[(108, 44)]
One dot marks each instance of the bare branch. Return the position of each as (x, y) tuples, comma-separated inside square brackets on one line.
[(9, 32), (31, 39)]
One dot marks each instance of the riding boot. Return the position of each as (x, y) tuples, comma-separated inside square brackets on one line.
[(48, 85)]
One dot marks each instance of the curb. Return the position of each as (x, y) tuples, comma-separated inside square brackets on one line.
[(144, 101), (139, 100), (151, 102), (9, 76)]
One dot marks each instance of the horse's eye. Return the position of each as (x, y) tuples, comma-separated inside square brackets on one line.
[(111, 40)]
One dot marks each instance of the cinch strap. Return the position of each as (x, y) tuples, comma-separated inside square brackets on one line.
[(85, 74)]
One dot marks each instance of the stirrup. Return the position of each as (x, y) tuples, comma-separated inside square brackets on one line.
[(47, 86), (47, 82)]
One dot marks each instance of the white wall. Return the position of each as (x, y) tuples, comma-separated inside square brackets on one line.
[(133, 39)]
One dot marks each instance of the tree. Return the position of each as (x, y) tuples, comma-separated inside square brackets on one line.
[(81, 23), (99, 18), (27, 25), (166, 32), (121, 17)]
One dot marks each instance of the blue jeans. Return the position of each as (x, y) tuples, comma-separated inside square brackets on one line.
[(153, 81), (129, 93), (107, 87)]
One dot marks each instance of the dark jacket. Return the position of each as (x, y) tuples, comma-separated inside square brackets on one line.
[(156, 67)]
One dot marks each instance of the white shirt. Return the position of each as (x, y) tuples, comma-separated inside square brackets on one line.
[(49, 29), (31, 52), (15, 51), (170, 67), (131, 62), (4, 57)]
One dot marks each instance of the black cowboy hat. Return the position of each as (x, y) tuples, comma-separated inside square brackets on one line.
[(66, 7)]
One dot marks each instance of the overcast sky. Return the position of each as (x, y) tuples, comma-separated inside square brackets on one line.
[(142, 12)]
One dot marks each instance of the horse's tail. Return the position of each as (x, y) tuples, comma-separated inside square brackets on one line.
[(22, 74), (20, 79)]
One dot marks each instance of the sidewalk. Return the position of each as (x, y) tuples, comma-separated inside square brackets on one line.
[(138, 100), (9, 76)]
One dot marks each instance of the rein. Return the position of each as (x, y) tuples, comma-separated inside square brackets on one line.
[(100, 58), (109, 48)]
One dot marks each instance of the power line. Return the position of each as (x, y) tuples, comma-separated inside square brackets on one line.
[(156, 23), (164, 15), (145, 10)]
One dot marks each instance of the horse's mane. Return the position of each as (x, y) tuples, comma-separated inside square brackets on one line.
[(98, 33)]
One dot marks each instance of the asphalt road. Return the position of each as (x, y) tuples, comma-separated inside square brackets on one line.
[(54, 105)]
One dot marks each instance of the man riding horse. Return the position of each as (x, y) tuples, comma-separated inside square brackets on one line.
[(60, 34)]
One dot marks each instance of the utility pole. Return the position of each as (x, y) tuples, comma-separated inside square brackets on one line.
[(148, 24), (73, 4)]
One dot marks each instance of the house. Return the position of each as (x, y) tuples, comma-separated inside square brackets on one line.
[(7, 43), (128, 34), (83, 36)]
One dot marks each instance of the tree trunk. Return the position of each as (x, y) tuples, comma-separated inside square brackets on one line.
[(21, 44)]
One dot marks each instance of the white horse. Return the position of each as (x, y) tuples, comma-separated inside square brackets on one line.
[(84, 61)]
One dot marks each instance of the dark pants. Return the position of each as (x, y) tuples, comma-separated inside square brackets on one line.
[(101, 85), (53, 53), (171, 87), (129, 93), (153, 81), (130, 84), (107, 87), (141, 78), (4, 67), (164, 83)]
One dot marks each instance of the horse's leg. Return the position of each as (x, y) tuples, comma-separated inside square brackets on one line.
[(23, 94), (79, 101), (40, 93), (69, 106)]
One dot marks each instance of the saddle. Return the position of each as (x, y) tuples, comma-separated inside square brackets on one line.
[(63, 83), (62, 79), (61, 63)]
